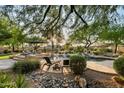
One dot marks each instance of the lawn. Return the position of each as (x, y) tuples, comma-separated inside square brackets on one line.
[(7, 56)]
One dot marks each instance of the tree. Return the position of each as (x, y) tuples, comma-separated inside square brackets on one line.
[(4, 33), (18, 38), (115, 35), (48, 18), (34, 41), (86, 36)]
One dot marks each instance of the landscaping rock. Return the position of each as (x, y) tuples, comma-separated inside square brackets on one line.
[(48, 80)]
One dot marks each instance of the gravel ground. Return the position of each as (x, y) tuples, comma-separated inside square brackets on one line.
[(55, 80), (51, 80)]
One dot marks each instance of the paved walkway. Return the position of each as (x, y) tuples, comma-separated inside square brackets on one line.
[(99, 67), (6, 64)]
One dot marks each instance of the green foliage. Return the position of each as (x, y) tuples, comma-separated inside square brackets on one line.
[(20, 81), (18, 37), (78, 64), (118, 65), (115, 35), (108, 50), (10, 34), (9, 81), (4, 35), (78, 49), (6, 51), (101, 51), (4, 30), (25, 66), (86, 36), (33, 39), (67, 46)]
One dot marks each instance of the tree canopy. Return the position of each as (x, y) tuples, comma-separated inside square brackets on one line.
[(115, 35), (50, 20), (4, 30), (47, 18)]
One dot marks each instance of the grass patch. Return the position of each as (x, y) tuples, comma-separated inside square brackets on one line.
[(7, 56)]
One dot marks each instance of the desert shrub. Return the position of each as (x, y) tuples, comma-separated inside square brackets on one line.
[(5, 81), (118, 65), (17, 51), (78, 49), (96, 53), (101, 51), (108, 50), (23, 67), (77, 64), (20, 82), (12, 81), (6, 51)]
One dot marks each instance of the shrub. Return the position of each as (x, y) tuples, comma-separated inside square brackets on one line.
[(96, 52), (77, 64), (23, 67), (101, 51), (78, 49), (119, 80), (12, 81), (118, 65), (6, 51), (20, 81), (108, 50), (5, 80)]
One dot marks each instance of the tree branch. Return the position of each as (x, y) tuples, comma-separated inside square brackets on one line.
[(71, 10), (57, 18), (47, 10), (80, 16)]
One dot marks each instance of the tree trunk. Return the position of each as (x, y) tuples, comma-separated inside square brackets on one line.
[(52, 48), (13, 48), (116, 47), (87, 48), (52, 54), (22, 47)]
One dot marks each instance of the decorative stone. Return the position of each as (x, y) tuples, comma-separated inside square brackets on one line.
[(48, 80)]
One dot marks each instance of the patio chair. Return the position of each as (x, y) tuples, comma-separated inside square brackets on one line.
[(46, 65), (48, 60)]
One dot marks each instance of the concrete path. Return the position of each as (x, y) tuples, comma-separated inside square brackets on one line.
[(104, 67), (99, 67), (6, 64)]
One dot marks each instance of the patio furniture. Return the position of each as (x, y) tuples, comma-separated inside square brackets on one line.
[(46, 65), (48, 60), (56, 67), (65, 66)]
